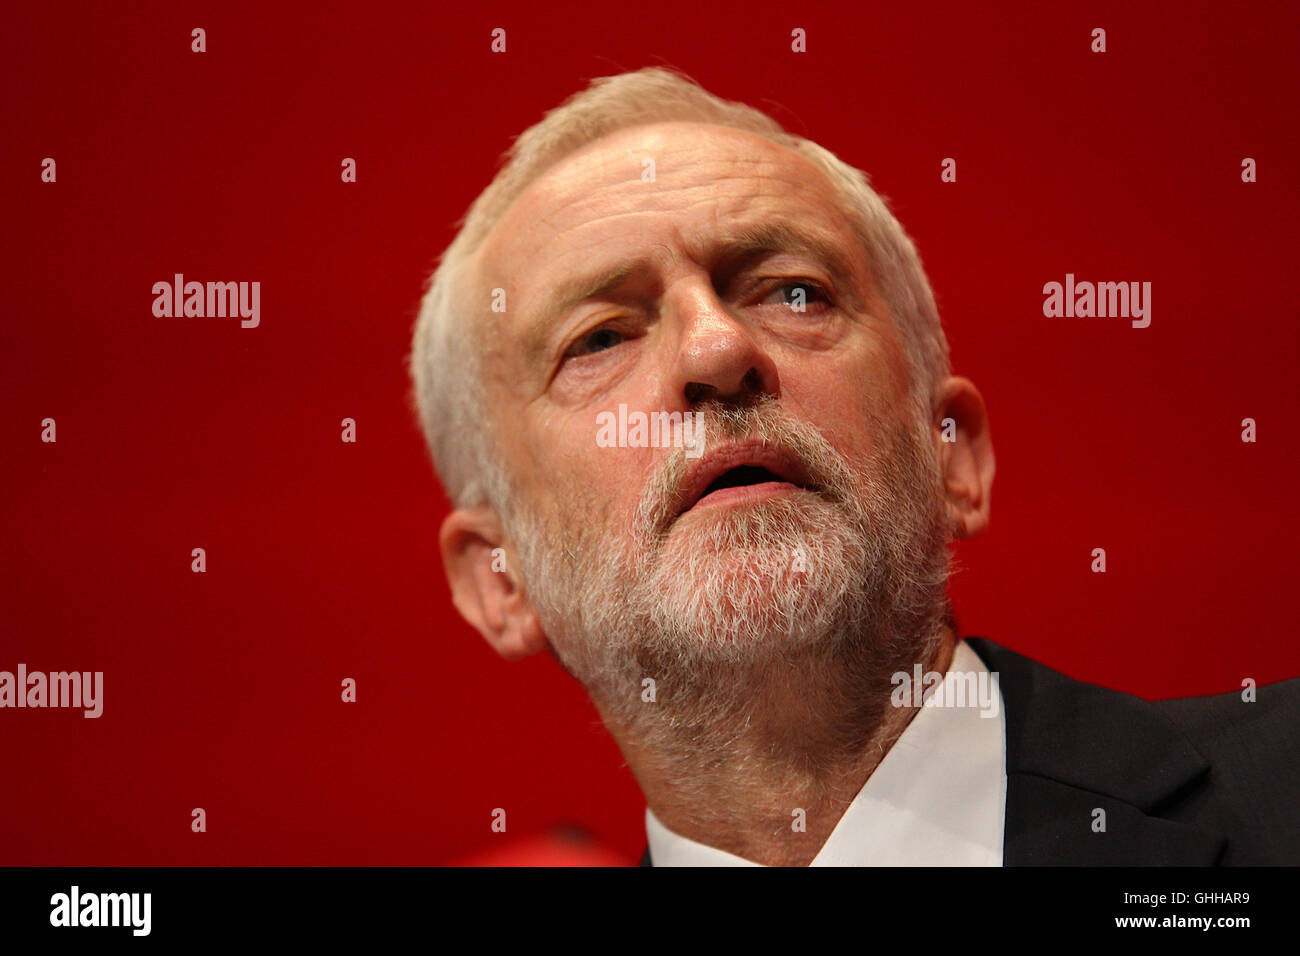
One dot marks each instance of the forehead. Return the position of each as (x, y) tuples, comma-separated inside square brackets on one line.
[(602, 199)]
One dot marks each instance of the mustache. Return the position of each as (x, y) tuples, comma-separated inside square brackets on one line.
[(763, 420)]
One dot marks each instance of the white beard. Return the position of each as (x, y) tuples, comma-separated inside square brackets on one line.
[(849, 579)]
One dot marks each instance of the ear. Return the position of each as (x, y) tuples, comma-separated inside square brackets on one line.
[(966, 455), (482, 571)]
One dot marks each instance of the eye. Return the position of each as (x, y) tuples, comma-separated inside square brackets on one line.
[(597, 340), (798, 295)]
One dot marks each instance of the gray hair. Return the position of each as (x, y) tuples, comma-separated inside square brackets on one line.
[(446, 366)]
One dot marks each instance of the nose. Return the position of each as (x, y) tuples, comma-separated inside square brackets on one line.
[(719, 357)]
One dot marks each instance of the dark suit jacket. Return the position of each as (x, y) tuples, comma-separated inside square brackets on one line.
[(1197, 781)]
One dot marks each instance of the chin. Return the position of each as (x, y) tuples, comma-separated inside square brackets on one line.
[(741, 599), (743, 580), (783, 522)]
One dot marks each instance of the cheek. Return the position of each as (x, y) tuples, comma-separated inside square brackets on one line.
[(846, 401), (562, 461), (575, 445)]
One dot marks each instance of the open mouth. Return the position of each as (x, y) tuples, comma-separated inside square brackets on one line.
[(746, 476), (743, 473)]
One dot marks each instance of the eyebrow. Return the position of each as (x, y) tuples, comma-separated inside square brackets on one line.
[(769, 238), (570, 293), (738, 246)]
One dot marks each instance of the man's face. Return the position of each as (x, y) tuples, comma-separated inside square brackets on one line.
[(674, 293)]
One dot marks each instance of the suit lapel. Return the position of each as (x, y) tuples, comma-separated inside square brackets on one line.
[(1080, 756)]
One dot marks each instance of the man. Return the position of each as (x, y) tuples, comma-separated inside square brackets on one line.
[(755, 598)]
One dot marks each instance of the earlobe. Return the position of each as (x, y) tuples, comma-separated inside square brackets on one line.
[(484, 584), (966, 456)]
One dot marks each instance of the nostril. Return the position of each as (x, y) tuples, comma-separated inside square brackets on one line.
[(697, 392), (748, 391)]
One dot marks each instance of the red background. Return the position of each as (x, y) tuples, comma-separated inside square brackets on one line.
[(222, 689)]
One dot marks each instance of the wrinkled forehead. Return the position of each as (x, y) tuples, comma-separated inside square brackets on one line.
[(635, 186)]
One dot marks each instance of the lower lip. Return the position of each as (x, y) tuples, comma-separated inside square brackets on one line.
[(745, 493)]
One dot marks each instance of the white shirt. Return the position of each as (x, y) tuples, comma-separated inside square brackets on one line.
[(938, 798)]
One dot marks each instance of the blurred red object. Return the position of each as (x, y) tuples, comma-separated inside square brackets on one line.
[(563, 846)]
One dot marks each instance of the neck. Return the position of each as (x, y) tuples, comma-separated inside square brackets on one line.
[(801, 736)]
